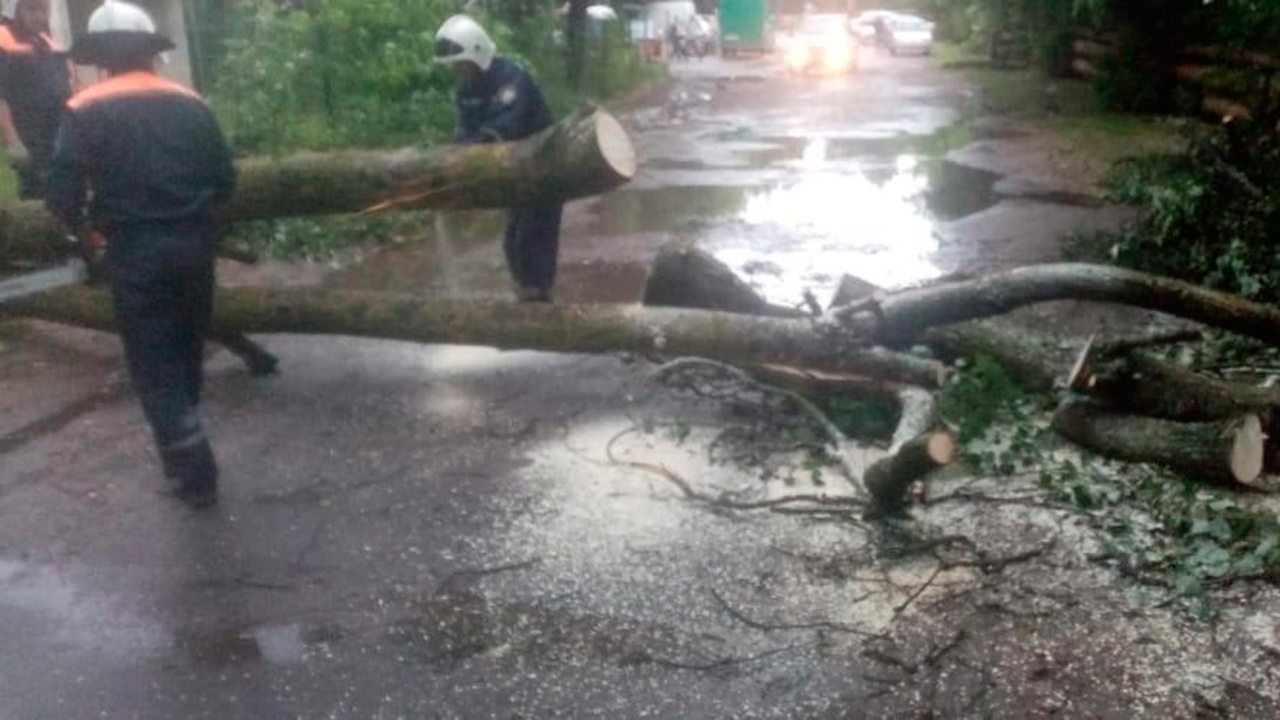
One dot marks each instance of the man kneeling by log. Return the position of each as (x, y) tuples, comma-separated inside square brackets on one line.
[(499, 101), (155, 159)]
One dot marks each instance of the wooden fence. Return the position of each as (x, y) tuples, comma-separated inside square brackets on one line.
[(1225, 83)]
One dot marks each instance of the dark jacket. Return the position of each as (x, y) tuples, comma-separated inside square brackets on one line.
[(150, 149), (35, 80), (504, 103)]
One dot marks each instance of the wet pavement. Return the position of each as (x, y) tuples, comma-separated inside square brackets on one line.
[(448, 532)]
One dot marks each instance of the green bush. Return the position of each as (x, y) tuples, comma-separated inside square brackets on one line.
[(1213, 212), (348, 73)]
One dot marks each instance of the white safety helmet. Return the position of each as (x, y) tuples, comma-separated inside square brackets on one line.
[(461, 39), (119, 32), (120, 16)]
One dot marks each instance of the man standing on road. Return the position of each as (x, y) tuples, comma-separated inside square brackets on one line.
[(499, 101), (35, 82), (155, 159)]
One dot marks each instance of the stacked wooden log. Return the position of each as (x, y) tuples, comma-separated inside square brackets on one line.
[(1142, 408)]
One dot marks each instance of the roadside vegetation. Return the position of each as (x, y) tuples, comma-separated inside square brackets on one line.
[(1170, 536), (359, 73), (1208, 189)]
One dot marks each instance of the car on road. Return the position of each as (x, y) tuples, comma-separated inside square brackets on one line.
[(823, 42), (909, 34)]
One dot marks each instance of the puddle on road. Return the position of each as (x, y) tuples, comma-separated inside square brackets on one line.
[(283, 644), (44, 604), (836, 211)]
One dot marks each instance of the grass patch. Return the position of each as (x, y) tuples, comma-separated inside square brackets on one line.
[(957, 55), (8, 183), (325, 238), (1078, 135)]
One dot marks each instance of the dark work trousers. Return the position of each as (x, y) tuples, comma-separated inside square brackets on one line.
[(30, 182), (31, 176), (162, 281), (532, 243)]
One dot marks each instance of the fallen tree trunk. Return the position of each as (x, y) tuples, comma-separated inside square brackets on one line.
[(585, 154), (1140, 384), (685, 277), (899, 318), (1143, 385), (737, 339), (889, 479), (1227, 452)]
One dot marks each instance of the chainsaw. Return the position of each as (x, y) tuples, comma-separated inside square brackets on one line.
[(86, 267)]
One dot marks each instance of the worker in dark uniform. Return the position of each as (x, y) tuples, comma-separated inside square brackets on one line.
[(152, 154), (499, 101), (35, 82)]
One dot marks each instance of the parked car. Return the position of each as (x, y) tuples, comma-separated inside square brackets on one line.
[(909, 34), (822, 42)]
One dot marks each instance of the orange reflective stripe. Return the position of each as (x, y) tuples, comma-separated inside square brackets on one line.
[(11, 44), (134, 83)]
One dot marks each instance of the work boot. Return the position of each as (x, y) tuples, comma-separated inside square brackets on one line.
[(192, 473), (532, 294)]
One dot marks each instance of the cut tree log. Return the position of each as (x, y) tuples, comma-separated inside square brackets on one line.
[(851, 289), (1228, 452), (736, 339), (900, 317), (918, 447), (683, 276), (585, 154), (889, 479), (1140, 384)]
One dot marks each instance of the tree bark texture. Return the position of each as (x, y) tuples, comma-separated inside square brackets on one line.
[(685, 277), (888, 479), (736, 339), (1141, 384), (899, 318), (585, 154), (1227, 452)]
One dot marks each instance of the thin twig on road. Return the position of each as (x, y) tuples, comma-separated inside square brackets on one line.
[(745, 619)]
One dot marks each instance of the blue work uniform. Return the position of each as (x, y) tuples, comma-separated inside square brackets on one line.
[(35, 80), (159, 168), (503, 104)]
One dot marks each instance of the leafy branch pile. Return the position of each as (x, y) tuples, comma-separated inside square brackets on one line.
[(1159, 529), (1213, 211)]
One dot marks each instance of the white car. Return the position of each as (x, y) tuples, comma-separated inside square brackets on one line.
[(822, 42), (909, 34)]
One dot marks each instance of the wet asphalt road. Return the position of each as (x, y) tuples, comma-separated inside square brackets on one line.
[(440, 532)]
